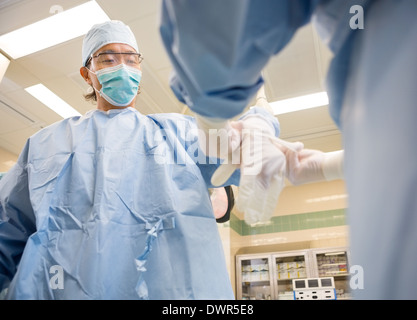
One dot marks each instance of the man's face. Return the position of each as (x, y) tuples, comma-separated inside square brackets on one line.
[(101, 59), (110, 55)]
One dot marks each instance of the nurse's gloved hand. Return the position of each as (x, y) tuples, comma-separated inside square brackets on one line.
[(309, 165), (262, 162), (218, 137)]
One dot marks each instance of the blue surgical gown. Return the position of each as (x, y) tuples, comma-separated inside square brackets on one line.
[(112, 205), (218, 50)]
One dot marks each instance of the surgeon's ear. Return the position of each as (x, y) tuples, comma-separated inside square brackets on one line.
[(86, 75)]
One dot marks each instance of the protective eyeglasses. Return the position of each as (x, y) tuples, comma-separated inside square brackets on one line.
[(109, 59)]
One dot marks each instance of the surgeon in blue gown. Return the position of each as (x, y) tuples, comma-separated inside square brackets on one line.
[(113, 204), (219, 48)]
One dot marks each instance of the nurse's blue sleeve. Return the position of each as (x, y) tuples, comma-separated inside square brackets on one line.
[(17, 221), (219, 48)]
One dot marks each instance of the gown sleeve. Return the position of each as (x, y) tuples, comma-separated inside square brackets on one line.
[(219, 48), (17, 221)]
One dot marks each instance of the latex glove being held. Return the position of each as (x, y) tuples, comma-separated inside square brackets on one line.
[(309, 165), (217, 137), (262, 163)]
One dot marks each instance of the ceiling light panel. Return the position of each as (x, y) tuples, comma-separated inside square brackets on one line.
[(52, 101), (53, 30), (300, 103)]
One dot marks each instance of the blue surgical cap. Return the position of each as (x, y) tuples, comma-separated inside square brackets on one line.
[(105, 33)]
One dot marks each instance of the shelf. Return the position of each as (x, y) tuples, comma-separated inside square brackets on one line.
[(286, 296), (255, 276), (290, 280), (259, 282), (334, 274), (332, 264)]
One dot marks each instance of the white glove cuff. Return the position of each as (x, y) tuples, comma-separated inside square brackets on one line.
[(206, 124), (333, 165), (257, 121)]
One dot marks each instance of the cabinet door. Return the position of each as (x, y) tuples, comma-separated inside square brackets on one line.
[(254, 280), (289, 266), (334, 262)]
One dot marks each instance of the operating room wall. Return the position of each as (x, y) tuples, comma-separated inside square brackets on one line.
[(7, 160), (307, 216)]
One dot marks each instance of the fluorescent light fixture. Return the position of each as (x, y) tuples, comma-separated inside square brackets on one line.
[(327, 198), (4, 64), (53, 30), (300, 103), (52, 101)]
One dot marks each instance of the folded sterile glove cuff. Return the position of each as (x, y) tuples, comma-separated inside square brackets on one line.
[(206, 124), (333, 165), (217, 137), (258, 122)]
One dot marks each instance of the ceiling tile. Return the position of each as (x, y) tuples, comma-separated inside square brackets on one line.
[(128, 10), (54, 62), (149, 42), (23, 13), (294, 72)]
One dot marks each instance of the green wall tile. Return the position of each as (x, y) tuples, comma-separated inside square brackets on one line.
[(295, 222)]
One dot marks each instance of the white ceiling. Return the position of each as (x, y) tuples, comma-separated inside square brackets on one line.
[(298, 70)]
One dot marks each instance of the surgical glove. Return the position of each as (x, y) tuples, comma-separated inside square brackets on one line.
[(218, 137), (310, 165), (262, 164)]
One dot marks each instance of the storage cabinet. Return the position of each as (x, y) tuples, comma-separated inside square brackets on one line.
[(255, 277), (334, 263), (288, 266), (271, 275)]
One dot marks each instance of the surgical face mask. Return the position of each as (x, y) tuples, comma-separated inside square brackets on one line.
[(119, 84)]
